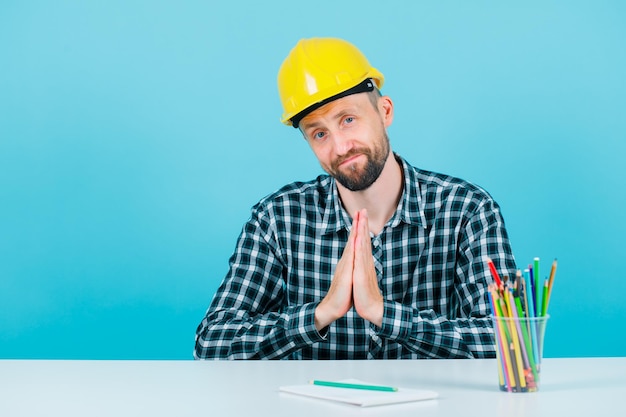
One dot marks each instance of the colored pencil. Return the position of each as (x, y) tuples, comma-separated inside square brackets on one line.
[(527, 342), (538, 286), (530, 295), (515, 343), (499, 352), (503, 335), (353, 386), (523, 338), (520, 308), (551, 281), (544, 299), (494, 272)]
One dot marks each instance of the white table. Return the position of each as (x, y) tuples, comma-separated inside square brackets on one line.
[(570, 387)]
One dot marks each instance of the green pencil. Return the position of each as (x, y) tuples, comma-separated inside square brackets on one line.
[(544, 302), (527, 342), (353, 386)]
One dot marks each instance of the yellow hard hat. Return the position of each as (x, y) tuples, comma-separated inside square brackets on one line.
[(319, 70)]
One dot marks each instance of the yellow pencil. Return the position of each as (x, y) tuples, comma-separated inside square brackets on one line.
[(506, 338), (503, 341), (515, 346), (497, 334)]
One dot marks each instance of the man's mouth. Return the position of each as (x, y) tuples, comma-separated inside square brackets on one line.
[(349, 159)]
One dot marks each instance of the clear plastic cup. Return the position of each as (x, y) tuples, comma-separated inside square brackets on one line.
[(519, 343)]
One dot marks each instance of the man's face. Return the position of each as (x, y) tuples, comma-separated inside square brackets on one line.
[(348, 137)]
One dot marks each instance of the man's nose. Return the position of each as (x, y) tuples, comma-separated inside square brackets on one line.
[(343, 142)]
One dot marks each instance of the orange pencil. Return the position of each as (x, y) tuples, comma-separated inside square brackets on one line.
[(550, 282)]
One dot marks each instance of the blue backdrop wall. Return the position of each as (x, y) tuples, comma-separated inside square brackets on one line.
[(135, 136)]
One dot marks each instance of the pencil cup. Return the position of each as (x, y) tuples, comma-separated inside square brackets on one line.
[(519, 343)]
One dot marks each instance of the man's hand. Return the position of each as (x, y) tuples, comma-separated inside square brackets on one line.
[(355, 282), (368, 301), (338, 300)]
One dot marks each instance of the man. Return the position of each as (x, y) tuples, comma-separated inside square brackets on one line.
[(377, 259)]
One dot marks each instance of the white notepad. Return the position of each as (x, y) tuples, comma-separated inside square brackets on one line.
[(359, 397)]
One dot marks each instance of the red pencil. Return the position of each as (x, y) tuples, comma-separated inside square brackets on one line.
[(496, 277)]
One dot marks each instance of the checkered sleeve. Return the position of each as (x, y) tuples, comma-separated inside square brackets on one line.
[(247, 318), (468, 332)]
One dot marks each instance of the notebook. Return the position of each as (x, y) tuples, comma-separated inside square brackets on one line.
[(359, 397)]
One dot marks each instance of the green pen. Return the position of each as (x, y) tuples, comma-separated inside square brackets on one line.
[(353, 386)]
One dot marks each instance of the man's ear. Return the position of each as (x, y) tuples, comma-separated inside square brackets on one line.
[(385, 106)]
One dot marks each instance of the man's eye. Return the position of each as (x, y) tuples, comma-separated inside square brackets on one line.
[(349, 120), (319, 135)]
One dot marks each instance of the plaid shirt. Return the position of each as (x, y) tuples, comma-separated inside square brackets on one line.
[(429, 259)]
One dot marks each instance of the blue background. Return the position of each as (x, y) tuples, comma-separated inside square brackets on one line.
[(136, 135)]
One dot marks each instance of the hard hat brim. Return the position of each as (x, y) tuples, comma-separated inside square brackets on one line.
[(362, 87)]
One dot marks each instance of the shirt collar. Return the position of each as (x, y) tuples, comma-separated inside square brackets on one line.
[(409, 210), (411, 207), (334, 215)]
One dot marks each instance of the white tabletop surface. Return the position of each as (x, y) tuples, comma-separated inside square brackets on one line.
[(569, 387)]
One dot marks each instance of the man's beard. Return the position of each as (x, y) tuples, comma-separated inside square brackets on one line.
[(356, 179)]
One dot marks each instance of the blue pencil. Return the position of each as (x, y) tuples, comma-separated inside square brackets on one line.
[(530, 293), (538, 288)]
